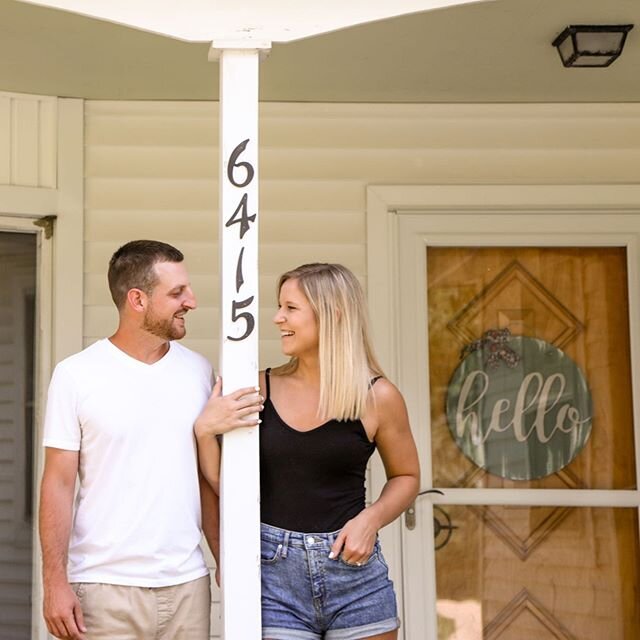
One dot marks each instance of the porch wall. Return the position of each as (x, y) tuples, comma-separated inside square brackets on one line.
[(151, 171)]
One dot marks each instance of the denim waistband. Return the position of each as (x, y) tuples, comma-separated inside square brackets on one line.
[(298, 539)]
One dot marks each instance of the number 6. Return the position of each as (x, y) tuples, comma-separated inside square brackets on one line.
[(233, 164)]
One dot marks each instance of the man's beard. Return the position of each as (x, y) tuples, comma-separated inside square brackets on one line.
[(162, 328)]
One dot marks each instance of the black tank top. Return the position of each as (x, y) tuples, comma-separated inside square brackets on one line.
[(311, 481)]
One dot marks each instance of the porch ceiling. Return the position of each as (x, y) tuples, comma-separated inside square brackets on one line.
[(495, 51)]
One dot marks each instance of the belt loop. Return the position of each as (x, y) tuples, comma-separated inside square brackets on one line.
[(285, 544)]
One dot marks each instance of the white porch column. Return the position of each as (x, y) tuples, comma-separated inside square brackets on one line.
[(238, 240)]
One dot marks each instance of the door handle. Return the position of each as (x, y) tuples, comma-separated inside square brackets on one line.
[(410, 516), (410, 513)]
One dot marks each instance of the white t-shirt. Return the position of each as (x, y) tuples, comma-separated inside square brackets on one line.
[(137, 512)]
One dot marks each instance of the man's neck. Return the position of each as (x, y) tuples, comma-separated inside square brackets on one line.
[(140, 345)]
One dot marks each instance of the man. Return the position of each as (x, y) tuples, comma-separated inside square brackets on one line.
[(127, 563)]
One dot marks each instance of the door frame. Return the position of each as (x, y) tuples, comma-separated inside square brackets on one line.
[(401, 222), (24, 224)]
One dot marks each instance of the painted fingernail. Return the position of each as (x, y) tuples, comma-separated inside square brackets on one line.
[(331, 555)]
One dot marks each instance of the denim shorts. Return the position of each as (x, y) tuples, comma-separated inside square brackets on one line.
[(306, 596)]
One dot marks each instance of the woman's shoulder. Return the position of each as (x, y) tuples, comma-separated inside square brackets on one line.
[(382, 386), (386, 394), (384, 404)]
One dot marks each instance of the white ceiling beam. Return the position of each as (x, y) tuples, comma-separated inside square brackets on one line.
[(251, 20)]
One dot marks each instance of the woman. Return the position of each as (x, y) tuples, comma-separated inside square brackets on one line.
[(325, 411)]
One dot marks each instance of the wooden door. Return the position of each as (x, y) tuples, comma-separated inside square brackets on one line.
[(517, 572)]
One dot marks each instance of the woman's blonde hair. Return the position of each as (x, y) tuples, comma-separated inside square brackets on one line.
[(347, 360)]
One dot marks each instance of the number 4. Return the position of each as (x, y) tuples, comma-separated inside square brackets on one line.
[(244, 220)]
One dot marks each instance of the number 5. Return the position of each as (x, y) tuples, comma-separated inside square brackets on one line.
[(245, 315)]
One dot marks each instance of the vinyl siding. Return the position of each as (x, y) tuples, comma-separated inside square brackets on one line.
[(151, 171)]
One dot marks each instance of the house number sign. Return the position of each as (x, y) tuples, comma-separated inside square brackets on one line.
[(240, 174), (518, 407)]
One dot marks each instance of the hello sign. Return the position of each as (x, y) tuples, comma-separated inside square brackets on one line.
[(518, 406)]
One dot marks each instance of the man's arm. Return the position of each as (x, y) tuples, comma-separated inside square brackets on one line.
[(62, 611)]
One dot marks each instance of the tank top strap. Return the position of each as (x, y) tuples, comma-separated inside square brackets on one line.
[(372, 381), (267, 380)]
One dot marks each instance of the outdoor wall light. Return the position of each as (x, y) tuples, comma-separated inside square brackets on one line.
[(587, 45)]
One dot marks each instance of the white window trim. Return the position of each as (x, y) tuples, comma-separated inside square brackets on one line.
[(401, 222)]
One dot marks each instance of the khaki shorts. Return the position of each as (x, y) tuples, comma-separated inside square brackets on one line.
[(178, 612)]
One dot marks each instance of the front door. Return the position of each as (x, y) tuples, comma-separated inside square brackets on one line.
[(528, 431)]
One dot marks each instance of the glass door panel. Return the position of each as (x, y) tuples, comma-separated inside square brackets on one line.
[(550, 405), (523, 573)]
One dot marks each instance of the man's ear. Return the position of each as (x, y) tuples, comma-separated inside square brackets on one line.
[(137, 300)]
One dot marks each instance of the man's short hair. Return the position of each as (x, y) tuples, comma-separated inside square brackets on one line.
[(132, 267)]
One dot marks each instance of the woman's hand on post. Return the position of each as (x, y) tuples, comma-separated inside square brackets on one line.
[(225, 413)]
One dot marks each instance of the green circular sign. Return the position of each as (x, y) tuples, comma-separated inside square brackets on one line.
[(518, 406)]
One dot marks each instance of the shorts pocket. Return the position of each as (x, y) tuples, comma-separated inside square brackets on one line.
[(360, 566), (376, 554), (78, 589), (381, 559), (270, 552)]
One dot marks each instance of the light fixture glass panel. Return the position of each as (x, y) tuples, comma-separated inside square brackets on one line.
[(566, 48), (598, 41), (591, 61)]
